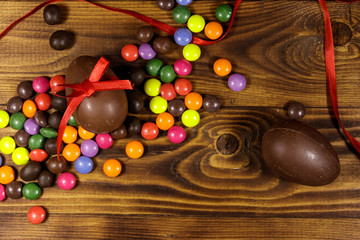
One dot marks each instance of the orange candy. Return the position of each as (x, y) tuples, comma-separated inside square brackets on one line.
[(222, 67), (70, 134), (165, 121), (29, 108), (7, 175), (213, 30), (134, 149), (112, 168), (71, 152), (85, 134), (193, 101)]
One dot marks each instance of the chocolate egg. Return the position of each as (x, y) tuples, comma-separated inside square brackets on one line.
[(300, 153), (104, 111)]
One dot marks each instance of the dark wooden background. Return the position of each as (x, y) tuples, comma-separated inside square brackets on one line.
[(191, 190)]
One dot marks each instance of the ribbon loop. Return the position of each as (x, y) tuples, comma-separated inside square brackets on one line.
[(87, 88)]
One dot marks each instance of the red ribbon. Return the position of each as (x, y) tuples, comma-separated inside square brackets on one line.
[(328, 38), (86, 89)]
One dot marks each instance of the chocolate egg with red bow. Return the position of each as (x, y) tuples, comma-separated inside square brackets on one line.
[(298, 152), (104, 111)]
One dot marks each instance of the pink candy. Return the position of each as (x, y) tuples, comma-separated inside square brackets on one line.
[(2, 192), (41, 84), (182, 67), (66, 181), (104, 140), (176, 134)]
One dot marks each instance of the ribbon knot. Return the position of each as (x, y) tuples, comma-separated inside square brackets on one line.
[(87, 88)]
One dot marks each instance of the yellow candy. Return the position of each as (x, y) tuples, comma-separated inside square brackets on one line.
[(4, 118), (196, 23), (191, 52), (7, 145), (20, 156)]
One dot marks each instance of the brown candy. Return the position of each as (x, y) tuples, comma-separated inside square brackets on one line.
[(25, 90), (145, 33), (211, 103), (21, 138), (137, 76), (166, 5), (162, 44), (300, 153), (176, 107), (295, 110), (14, 104), (41, 118), (45, 179), (52, 14), (59, 103), (30, 171), (55, 165), (55, 119), (14, 190), (104, 111), (61, 40), (133, 126), (119, 133), (51, 145), (136, 103)]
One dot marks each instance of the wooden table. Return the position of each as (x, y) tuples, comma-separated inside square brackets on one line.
[(192, 190)]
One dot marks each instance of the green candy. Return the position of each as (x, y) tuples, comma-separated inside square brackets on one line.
[(153, 66), (223, 13), (31, 191), (36, 141), (48, 132), (167, 74), (17, 121), (181, 14), (72, 121)]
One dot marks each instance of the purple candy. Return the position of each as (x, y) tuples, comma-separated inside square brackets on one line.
[(237, 82), (41, 84), (89, 148), (146, 51), (31, 127), (176, 134), (182, 67)]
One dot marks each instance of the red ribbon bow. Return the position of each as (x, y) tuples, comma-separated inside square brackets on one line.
[(86, 89)]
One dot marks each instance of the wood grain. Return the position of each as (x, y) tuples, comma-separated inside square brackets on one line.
[(198, 190)]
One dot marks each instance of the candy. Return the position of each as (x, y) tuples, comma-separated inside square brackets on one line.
[(166, 4), (4, 118), (167, 74), (36, 141), (164, 121), (52, 14), (112, 168), (36, 215), (104, 140), (211, 103), (7, 175), (182, 67), (55, 165), (183, 86), (193, 101), (2, 193), (25, 90), (89, 148), (59, 103), (213, 30), (45, 179), (190, 118), (14, 190), (17, 121), (22, 138), (31, 191), (237, 82), (167, 91), (66, 181), (183, 36), (14, 104), (149, 130), (84, 134), (158, 104), (51, 145), (223, 13), (137, 76), (71, 152), (30, 171), (176, 107), (7, 145), (136, 102), (41, 84), (191, 52), (162, 44), (222, 67), (184, 2), (146, 52), (84, 165), (20, 156), (134, 149), (119, 133), (133, 126), (55, 119), (176, 134), (38, 155), (152, 87), (31, 126), (72, 121), (48, 132), (1, 161), (43, 101), (70, 134), (181, 14), (153, 66), (61, 40), (41, 118), (295, 110), (55, 81), (145, 33), (29, 108), (196, 23), (130, 52)]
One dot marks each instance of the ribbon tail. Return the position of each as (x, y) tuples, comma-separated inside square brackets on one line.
[(99, 70), (73, 103)]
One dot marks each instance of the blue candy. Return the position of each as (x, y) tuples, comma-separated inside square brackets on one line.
[(184, 2), (84, 165), (183, 36)]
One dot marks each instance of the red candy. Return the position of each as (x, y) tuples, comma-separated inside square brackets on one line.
[(130, 52), (149, 131), (36, 215), (55, 81), (183, 86), (43, 101), (38, 155), (167, 91)]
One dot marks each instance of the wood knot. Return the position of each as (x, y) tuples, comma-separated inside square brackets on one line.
[(227, 144), (342, 33)]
